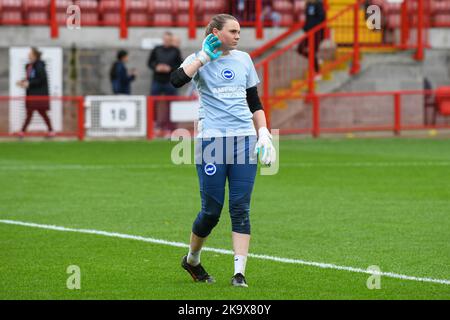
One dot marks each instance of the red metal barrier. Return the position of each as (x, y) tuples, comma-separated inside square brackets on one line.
[(316, 117), (80, 118), (395, 111), (69, 111), (420, 30), (192, 20), (281, 68), (259, 21), (356, 45), (271, 43), (123, 20), (153, 103), (286, 60), (266, 93), (150, 117), (54, 32)]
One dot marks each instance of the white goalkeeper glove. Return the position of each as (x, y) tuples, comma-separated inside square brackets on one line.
[(264, 147)]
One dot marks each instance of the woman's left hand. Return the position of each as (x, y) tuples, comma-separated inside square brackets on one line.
[(23, 84), (264, 147)]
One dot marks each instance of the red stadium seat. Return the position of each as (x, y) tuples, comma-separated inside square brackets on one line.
[(36, 11), (286, 9), (89, 12), (287, 19), (160, 6), (299, 6), (215, 6), (443, 100), (162, 12), (444, 108), (138, 12), (441, 6), (61, 10), (283, 6), (206, 17), (110, 12), (181, 8), (63, 4), (36, 4), (181, 5), (440, 13), (299, 10), (11, 12), (441, 20), (380, 3), (210, 8), (393, 21), (392, 8), (162, 19)]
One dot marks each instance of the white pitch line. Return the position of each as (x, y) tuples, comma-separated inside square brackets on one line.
[(51, 167), (369, 164), (228, 252)]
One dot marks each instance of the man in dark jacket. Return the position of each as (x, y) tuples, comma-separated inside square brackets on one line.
[(36, 84), (162, 61), (120, 79), (315, 15)]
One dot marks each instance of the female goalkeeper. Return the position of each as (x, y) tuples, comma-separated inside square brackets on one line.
[(232, 129)]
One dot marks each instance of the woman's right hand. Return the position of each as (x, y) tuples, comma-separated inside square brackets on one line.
[(210, 44), (22, 83)]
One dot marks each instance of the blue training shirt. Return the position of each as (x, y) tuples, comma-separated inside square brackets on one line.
[(222, 85)]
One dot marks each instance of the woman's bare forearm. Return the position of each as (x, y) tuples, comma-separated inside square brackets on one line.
[(259, 119), (192, 68)]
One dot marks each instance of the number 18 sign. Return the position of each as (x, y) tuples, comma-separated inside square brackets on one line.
[(117, 114)]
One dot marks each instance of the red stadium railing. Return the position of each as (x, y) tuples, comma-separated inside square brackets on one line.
[(394, 111), (278, 70), (154, 102), (66, 116)]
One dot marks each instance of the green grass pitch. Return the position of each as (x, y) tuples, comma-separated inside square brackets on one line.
[(350, 202)]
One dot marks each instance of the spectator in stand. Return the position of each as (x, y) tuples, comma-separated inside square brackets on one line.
[(315, 15), (268, 14), (162, 61), (36, 84), (243, 10), (238, 9), (120, 79)]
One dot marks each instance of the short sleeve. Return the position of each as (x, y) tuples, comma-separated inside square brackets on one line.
[(252, 79)]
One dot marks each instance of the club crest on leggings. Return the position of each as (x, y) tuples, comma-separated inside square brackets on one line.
[(210, 169)]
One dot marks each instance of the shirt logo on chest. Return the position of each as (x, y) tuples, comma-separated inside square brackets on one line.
[(227, 74)]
